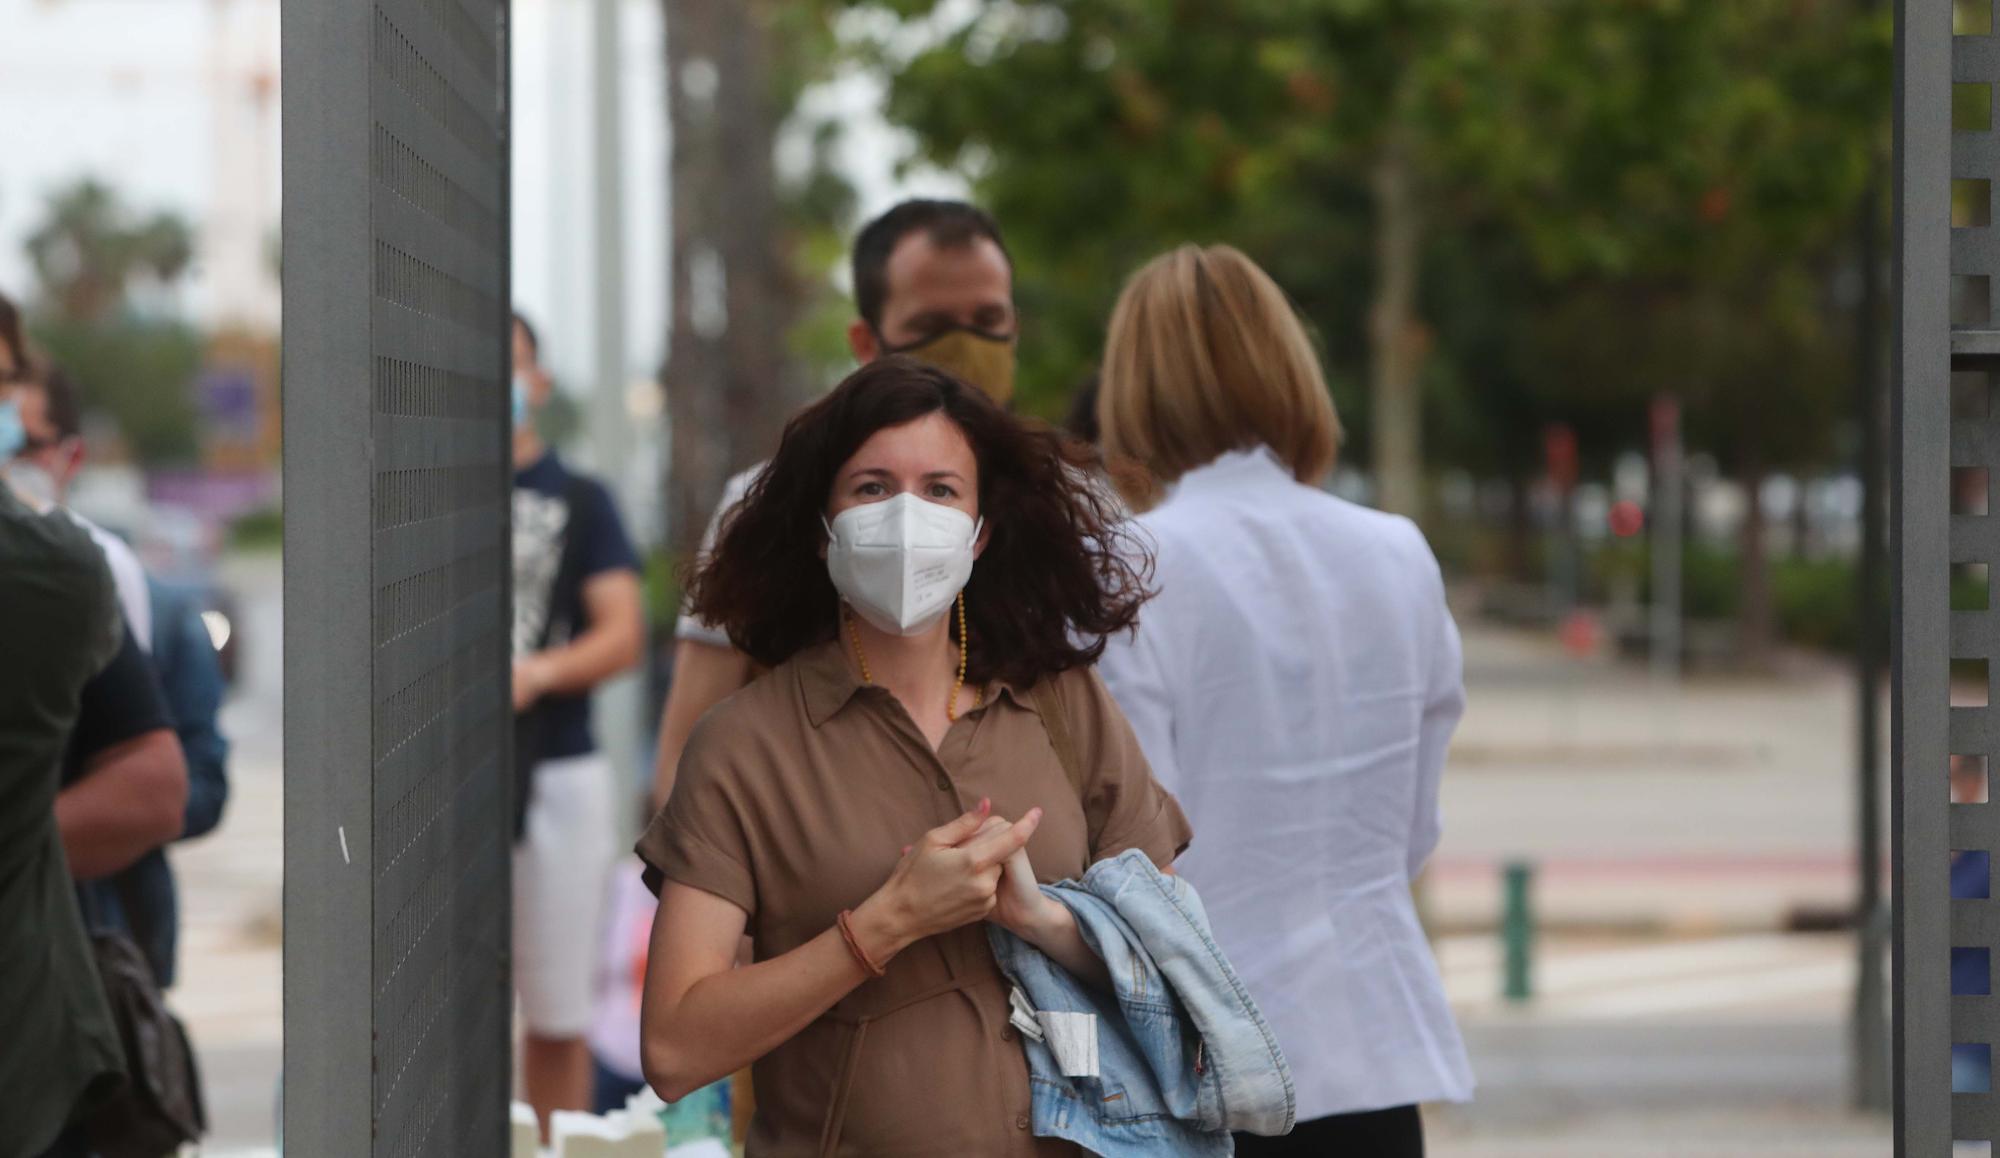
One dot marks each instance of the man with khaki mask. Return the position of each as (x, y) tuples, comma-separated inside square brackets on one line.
[(932, 281)]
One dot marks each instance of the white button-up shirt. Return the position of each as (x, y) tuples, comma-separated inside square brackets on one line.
[(1296, 683)]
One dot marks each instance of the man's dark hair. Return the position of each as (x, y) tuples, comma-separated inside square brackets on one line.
[(1059, 573), (949, 224), (65, 410), (534, 342)]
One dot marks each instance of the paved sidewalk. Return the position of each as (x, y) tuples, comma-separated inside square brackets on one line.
[(1726, 804), (231, 883)]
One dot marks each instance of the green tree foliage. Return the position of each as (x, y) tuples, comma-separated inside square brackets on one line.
[(136, 372), (92, 256), (91, 252), (1568, 166), (1531, 211)]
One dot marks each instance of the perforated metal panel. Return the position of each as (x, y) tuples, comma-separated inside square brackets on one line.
[(398, 824), (1948, 443), (1973, 830)]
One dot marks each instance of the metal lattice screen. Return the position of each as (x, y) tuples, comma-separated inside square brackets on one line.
[(1974, 450), (1948, 443), (397, 827)]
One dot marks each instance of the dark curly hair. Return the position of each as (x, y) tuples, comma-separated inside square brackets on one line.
[(1058, 575)]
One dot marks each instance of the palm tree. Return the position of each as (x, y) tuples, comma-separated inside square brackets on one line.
[(91, 252)]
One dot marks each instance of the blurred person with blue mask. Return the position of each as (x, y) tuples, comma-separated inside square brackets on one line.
[(121, 783), (123, 738), (578, 622), (59, 627)]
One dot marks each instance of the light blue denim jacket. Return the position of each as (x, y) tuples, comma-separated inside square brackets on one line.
[(1182, 1054)]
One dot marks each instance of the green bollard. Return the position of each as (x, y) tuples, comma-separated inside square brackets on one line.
[(1517, 931)]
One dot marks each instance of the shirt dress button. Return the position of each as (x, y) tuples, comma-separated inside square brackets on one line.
[(944, 783), (1021, 1122), (1007, 1033)]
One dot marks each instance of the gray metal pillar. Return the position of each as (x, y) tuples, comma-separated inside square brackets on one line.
[(1926, 729), (397, 477)]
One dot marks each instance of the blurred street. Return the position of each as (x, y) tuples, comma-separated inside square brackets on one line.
[(1726, 804), (232, 881), (1672, 1016), (1675, 835)]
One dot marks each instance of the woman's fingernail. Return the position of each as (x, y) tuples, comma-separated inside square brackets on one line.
[(985, 805), (907, 848)]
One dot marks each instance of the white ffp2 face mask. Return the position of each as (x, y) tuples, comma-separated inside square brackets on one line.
[(900, 562)]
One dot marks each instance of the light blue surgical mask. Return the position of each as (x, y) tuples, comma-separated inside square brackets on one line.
[(520, 401), (13, 436)]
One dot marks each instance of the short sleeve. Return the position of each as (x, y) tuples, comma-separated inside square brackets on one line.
[(120, 703), (1125, 805), (192, 680), (604, 545), (700, 839), (691, 626)]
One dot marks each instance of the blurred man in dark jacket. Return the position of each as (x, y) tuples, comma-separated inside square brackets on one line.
[(154, 708), (59, 626)]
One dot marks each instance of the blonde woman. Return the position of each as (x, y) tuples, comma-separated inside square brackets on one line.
[(1295, 683)]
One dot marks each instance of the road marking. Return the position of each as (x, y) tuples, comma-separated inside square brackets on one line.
[(1630, 983), (1564, 968), (1714, 992)]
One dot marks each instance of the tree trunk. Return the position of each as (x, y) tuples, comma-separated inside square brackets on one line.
[(1397, 340), (761, 299), (727, 390), (1754, 618), (1801, 545), (1520, 563)]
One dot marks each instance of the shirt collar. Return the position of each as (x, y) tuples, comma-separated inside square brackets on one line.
[(827, 681), (1254, 463), (547, 466)]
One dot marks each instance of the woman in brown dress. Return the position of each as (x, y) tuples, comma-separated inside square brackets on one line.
[(891, 784)]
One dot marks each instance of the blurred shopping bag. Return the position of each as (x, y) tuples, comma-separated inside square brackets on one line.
[(702, 1116), (697, 1124), (621, 985), (619, 1134)]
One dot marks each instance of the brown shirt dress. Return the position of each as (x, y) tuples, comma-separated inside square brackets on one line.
[(794, 800)]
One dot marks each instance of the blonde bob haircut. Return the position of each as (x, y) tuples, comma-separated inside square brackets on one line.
[(1205, 356)]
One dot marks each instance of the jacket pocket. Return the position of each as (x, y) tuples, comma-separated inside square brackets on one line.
[(1112, 1104)]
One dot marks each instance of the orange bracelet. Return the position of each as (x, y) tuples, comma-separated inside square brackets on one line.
[(845, 921)]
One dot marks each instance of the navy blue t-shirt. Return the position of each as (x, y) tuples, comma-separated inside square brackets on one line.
[(557, 510)]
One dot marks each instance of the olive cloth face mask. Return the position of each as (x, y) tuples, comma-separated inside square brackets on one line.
[(981, 358)]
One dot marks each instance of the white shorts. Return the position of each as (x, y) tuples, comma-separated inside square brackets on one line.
[(560, 868)]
